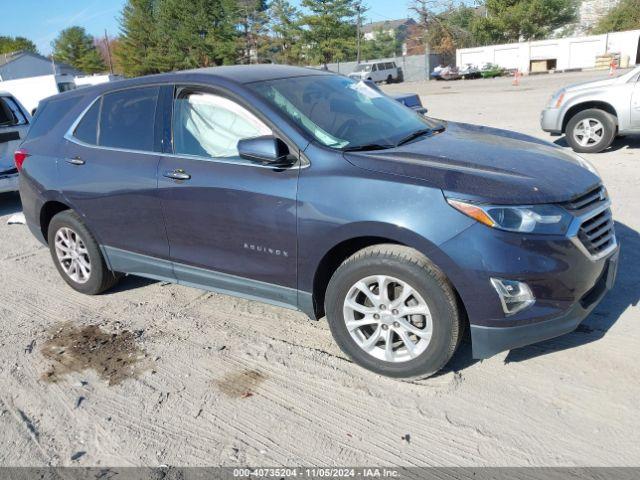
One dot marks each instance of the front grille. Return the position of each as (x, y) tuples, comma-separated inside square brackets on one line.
[(592, 197), (596, 233)]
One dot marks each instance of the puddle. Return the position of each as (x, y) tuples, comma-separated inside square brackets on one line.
[(240, 384), (114, 356)]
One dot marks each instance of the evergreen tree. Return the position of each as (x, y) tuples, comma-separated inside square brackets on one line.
[(329, 29), (197, 33), (75, 47), (137, 38), (254, 19), (16, 44), (286, 32)]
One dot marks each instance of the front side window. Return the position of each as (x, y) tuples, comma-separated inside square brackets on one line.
[(340, 113), (10, 113), (127, 119), (207, 125)]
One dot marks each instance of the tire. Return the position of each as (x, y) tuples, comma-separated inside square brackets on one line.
[(399, 265), (389, 80), (601, 126), (85, 251)]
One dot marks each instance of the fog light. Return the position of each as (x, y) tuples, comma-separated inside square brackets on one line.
[(515, 296)]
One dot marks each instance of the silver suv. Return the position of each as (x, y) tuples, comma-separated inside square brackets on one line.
[(14, 123), (592, 114)]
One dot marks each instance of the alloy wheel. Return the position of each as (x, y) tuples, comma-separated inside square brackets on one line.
[(387, 318), (589, 132), (73, 255)]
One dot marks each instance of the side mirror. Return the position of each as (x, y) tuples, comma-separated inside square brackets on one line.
[(267, 149)]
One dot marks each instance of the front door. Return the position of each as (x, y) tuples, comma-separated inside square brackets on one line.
[(109, 175), (231, 222)]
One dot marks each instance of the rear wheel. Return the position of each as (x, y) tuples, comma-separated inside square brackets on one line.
[(591, 131), (393, 312), (77, 256), (389, 79)]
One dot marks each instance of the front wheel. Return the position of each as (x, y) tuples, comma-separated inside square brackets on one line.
[(393, 312), (77, 256), (591, 131)]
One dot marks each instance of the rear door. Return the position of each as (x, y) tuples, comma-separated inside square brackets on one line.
[(635, 106), (231, 222), (14, 123), (110, 176)]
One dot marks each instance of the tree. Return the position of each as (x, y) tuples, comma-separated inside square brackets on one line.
[(286, 31), (75, 47), (384, 44), (196, 33), (624, 16), (254, 19), (16, 44), (329, 29), (518, 20), (137, 38)]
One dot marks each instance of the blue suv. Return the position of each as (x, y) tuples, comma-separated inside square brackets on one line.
[(315, 192)]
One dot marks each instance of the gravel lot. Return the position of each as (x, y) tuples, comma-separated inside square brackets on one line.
[(195, 378)]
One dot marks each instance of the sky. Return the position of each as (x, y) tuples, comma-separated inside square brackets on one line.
[(41, 20)]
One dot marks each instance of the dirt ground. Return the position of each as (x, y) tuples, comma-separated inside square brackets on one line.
[(186, 377)]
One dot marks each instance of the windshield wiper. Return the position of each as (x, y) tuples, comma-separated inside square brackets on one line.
[(414, 135), (367, 147)]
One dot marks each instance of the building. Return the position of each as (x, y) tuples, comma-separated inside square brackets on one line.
[(556, 53), (17, 65), (398, 29)]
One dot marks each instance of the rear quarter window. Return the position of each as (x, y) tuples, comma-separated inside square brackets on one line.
[(48, 116), (87, 129)]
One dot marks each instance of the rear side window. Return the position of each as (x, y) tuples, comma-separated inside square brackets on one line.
[(87, 129), (48, 115), (10, 113), (127, 119)]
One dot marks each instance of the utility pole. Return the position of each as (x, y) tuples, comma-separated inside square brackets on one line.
[(358, 26), (106, 43)]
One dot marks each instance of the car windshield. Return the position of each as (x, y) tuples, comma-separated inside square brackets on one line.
[(363, 68), (341, 113)]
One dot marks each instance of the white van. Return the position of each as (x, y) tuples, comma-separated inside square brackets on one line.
[(14, 123), (29, 91), (377, 72)]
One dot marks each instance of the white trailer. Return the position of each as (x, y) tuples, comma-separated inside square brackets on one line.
[(29, 91)]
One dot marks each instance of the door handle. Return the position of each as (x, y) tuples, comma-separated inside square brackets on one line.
[(177, 174), (74, 161)]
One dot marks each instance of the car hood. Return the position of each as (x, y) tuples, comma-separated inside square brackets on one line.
[(486, 164)]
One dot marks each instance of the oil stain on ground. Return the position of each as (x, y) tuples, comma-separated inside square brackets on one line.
[(114, 356), (240, 384)]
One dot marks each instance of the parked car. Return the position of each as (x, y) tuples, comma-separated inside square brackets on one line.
[(308, 190), (469, 71), (377, 72), (592, 114), (411, 100), (491, 70), (14, 122)]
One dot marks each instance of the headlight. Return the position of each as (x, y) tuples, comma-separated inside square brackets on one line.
[(543, 219)]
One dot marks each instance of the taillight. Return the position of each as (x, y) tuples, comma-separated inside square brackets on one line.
[(19, 157)]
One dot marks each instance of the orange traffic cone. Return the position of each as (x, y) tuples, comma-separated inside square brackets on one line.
[(516, 78), (612, 67)]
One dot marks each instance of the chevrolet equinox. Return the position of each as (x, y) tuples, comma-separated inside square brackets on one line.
[(312, 191)]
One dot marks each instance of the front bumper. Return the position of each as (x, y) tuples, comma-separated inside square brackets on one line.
[(9, 183), (487, 341), (551, 120)]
